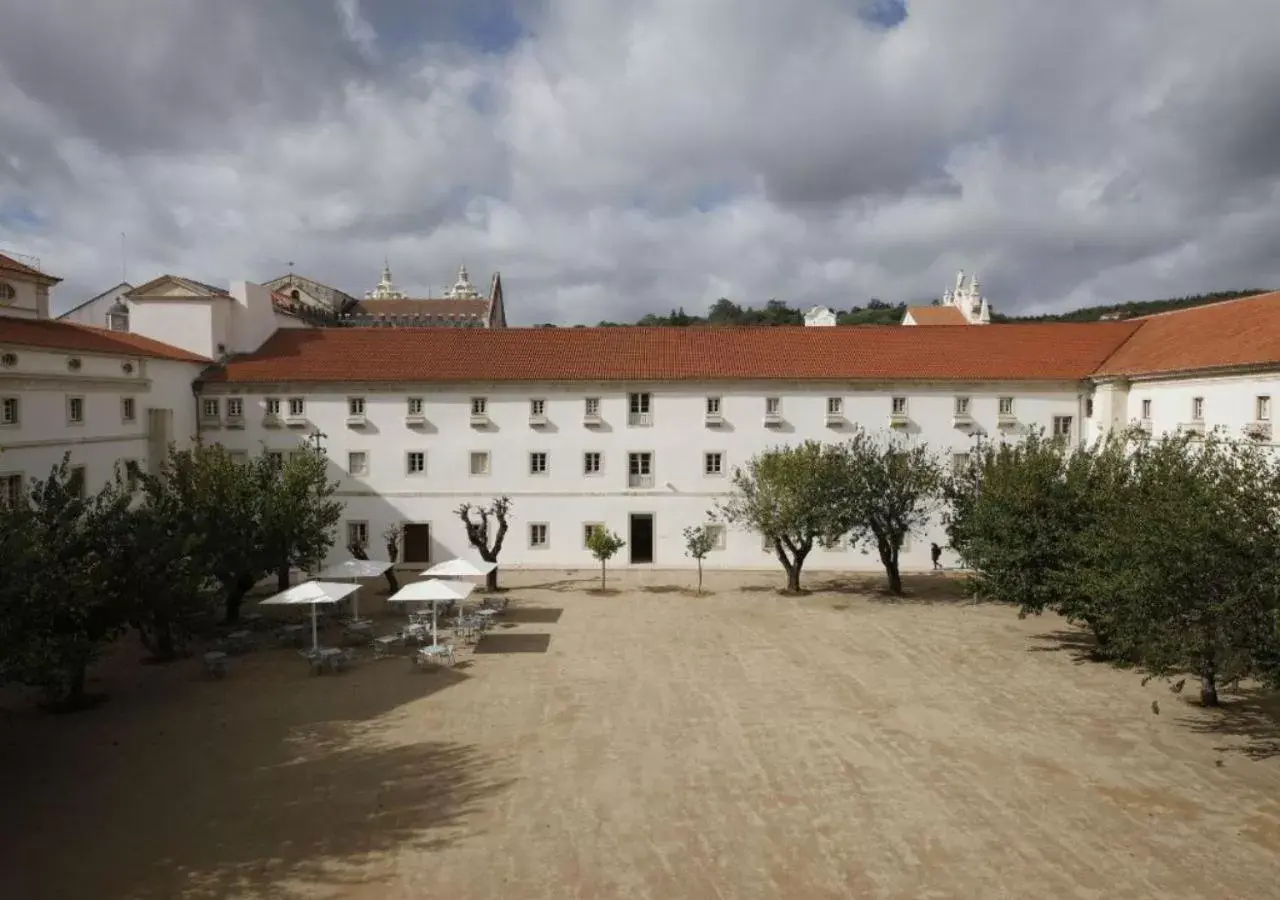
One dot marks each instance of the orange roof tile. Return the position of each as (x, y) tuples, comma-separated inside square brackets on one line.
[(1235, 333), (56, 335), (1038, 352), (9, 264), (936, 315)]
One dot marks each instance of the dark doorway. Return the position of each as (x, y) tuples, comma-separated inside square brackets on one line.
[(641, 541), (417, 543)]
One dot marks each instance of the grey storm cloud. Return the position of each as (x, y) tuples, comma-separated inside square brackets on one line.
[(619, 158)]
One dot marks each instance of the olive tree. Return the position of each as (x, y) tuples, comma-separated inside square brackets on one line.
[(486, 539), (699, 540), (604, 545)]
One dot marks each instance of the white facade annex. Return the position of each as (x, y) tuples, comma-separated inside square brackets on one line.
[(107, 310)]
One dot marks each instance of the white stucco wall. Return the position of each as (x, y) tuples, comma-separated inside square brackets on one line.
[(1230, 401), (565, 498), (95, 311), (30, 300), (43, 384), (181, 322)]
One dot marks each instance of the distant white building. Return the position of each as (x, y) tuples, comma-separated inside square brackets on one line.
[(820, 316), (106, 310), (961, 305)]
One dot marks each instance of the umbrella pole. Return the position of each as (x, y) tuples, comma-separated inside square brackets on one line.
[(435, 638), (355, 600), (315, 634)]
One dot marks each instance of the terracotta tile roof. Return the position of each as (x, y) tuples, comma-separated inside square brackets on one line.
[(1243, 332), (1048, 352), (426, 306), (9, 264), (49, 334), (936, 315)]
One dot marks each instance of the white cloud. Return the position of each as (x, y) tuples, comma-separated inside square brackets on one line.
[(631, 157)]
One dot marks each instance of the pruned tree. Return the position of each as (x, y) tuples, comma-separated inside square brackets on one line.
[(298, 510), (604, 545), (479, 532), (699, 540), (391, 537), (887, 493), (789, 496)]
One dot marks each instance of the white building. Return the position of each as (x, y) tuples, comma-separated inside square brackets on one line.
[(107, 310), (961, 305), (635, 429)]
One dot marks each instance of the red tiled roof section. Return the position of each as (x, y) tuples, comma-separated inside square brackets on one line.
[(424, 307), (48, 334), (9, 264), (936, 315), (1244, 332), (1037, 352)]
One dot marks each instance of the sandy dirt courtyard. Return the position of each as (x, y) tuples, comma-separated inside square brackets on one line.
[(653, 744)]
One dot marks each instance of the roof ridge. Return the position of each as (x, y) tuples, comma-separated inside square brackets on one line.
[(1214, 305)]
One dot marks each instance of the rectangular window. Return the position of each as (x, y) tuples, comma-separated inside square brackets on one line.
[(11, 489), (1262, 409), (9, 411), (713, 463), (239, 457), (297, 407), (713, 406), (835, 406), (538, 463), (128, 409), (640, 470), (415, 406), (273, 406), (297, 454), (588, 529), (962, 406), (275, 457), (592, 462), (358, 462), (479, 462), (415, 462), (211, 408), (959, 462), (358, 534), (1146, 408), (355, 406), (641, 410), (235, 408), (1006, 406), (537, 408), (592, 407), (77, 481), (129, 470), (538, 533), (479, 406), (75, 410), (772, 406), (1062, 426), (899, 407), (717, 536), (1197, 409)]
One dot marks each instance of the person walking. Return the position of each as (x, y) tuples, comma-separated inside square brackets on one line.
[(936, 552)]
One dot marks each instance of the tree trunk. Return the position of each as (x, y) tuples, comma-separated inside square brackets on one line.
[(895, 579), (235, 597), (491, 580), (602, 564), (282, 576), (77, 673), (165, 649), (889, 559), (1208, 683), (392, 582), (699, 576)]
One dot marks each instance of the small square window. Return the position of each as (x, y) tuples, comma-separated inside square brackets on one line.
[(835, 406), (589, 529), (1197, 409), (415, 462), (592, 406), (537, 408), (1262, 408), (297, 407), (538, 463), (11, 489), (592, 462), (358, 462), (275, 457), (713, 463), (1062, 426), (538, 535), (1006, 406), (479, 462), (211, 408), (9, 411), (357, 534), (128, 409), (415, 406), (479, 406), (355, 406), (235, 407), (772, 406), (273, 406), (713, 406), (75, 410), (1146, 408), (717, 536), (899, 407), (962, 406), (959, 462)]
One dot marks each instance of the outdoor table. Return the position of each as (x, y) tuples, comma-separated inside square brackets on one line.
[(415, 630), (333, 657), (488, 613), (291, 634), (360, 629), (382, 645), (433, 653)]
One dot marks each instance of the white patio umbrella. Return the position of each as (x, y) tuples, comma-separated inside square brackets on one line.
[(433, 592), (459, 568), (314, 593), (355, 569)]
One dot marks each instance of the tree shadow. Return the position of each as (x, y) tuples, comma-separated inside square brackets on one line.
[(1252, 715), (1078, 643), (673, 589), (916, 588), (513, 643), (563, 584), (253, 785), (532, 615)]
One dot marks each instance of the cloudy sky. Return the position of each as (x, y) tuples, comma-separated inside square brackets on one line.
[(616, 157)]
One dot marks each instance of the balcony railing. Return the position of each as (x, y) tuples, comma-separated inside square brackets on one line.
[(640, 419), (640, 481)]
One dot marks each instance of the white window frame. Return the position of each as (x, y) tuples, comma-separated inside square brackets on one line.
[(1197, 409), (1006, 406), (720, 536), (72, 402), (128, 409), (637, 459), (773, 406), (413, 406), (408, 463), (959, 462), (587, 528), (272, 406), (1057, 426), (962, 406), (83, 472), (898, 406), (537, 407), (10, 412), (297, 407), (835, 406), (1262, 407), (591, 406), (599, 469), (235, 407), (11, 486), (706, 463), (352, 468), (354, 526), (536, 456), (355, 406), (1146, 408), (479, 406), (640, 409), (714, 405), (210, 409), (545, 543), (483, 456)]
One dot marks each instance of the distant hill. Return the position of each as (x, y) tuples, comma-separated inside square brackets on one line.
[(877, 312)]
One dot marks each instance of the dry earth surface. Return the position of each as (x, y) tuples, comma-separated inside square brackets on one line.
[(653, 744)]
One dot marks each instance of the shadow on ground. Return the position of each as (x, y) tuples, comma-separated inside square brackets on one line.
[(1252, 716), (532, 615), (251, 786), (513, 643), (1079, 644)]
